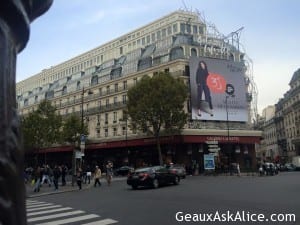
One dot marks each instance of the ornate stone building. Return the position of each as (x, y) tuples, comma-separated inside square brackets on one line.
[(288, 119), (97, 82)]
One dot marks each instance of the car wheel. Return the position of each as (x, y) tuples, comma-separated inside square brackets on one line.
[(134, 187), (155, 183), (176, 180)]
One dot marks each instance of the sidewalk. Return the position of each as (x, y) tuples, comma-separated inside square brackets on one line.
[(46, 190)]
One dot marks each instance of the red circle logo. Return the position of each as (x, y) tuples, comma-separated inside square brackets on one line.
[(216, 83)]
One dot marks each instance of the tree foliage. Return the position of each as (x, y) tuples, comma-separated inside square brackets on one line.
[(73, 128), (41, 128), (156, 106)]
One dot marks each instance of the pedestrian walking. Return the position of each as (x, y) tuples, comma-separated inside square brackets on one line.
[(37, 179), (79, 178), (238, 169), (109, 172), (56, 175), (64, 170), (97, 176), (88, 175)]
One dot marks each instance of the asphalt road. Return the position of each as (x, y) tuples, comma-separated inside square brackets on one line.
[(212, 196)]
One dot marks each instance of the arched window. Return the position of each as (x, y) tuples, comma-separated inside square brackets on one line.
[(193, 52), (94, 80), (64, 90), (144, 63), (78, 85), (176, 53), (26, 102)]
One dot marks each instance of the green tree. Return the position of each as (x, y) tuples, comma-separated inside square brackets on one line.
[(72, 129), (41, 128), (156, 106)]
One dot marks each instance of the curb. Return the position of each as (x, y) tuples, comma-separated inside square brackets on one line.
[(71, 189)]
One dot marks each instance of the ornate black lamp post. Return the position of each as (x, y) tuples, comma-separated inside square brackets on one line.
[(15, 18), (229, 93)]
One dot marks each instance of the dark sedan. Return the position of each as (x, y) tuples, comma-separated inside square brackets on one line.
[(177, 169), (152, 177), (123, 171)]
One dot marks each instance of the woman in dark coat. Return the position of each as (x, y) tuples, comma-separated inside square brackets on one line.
[(201, 77)]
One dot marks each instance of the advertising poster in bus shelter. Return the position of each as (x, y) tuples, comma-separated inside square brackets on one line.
[(218, 89), (209, 161)]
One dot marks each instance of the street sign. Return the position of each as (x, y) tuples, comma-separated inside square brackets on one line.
[(78, 154), (209, 161), (214, 149), (82, 143), (82, 147)]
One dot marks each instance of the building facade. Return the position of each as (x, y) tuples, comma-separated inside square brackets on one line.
[(95, 83), (288, 119), (281, 126)]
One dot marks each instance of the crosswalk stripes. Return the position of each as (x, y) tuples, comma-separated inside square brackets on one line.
[(43, 213)]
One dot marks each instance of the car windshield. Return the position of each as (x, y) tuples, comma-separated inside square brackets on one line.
[(148, 169)]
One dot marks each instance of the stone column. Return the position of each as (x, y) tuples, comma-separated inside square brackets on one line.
[(15, 18)]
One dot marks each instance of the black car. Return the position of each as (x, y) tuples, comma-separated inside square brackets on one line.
[(152, 177), (177, 169), (123, 171)]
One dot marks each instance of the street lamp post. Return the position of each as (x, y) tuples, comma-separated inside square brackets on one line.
[(229, 91), (227, 121), (125, 119), (82, 138)]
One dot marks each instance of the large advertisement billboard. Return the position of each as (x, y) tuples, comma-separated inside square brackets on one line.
[(218, 90)]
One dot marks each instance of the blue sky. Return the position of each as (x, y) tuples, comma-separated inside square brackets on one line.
[(271, 34)]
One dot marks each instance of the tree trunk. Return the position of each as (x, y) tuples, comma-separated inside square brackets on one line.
[(159, 150)]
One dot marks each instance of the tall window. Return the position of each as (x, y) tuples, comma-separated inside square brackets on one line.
[(175, 29), (106, 118), (115, 131), (124, 85), (124, 99), (115, 117)]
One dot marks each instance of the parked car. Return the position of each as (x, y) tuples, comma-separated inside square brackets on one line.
[(154, 177), (178, 169), (123, 171), (289, 167)]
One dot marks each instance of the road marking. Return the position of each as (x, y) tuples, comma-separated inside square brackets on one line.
[(48, 211), (34, 203), (39, 212), (102, 222), (46, 207), (70, 220), (38, 205), (54, 216)]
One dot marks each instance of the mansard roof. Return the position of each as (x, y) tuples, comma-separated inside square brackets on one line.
[(296, 76)]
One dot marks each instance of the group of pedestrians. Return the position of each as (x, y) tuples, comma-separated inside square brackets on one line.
[(48, 175), (86, 175), (51, 175)]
